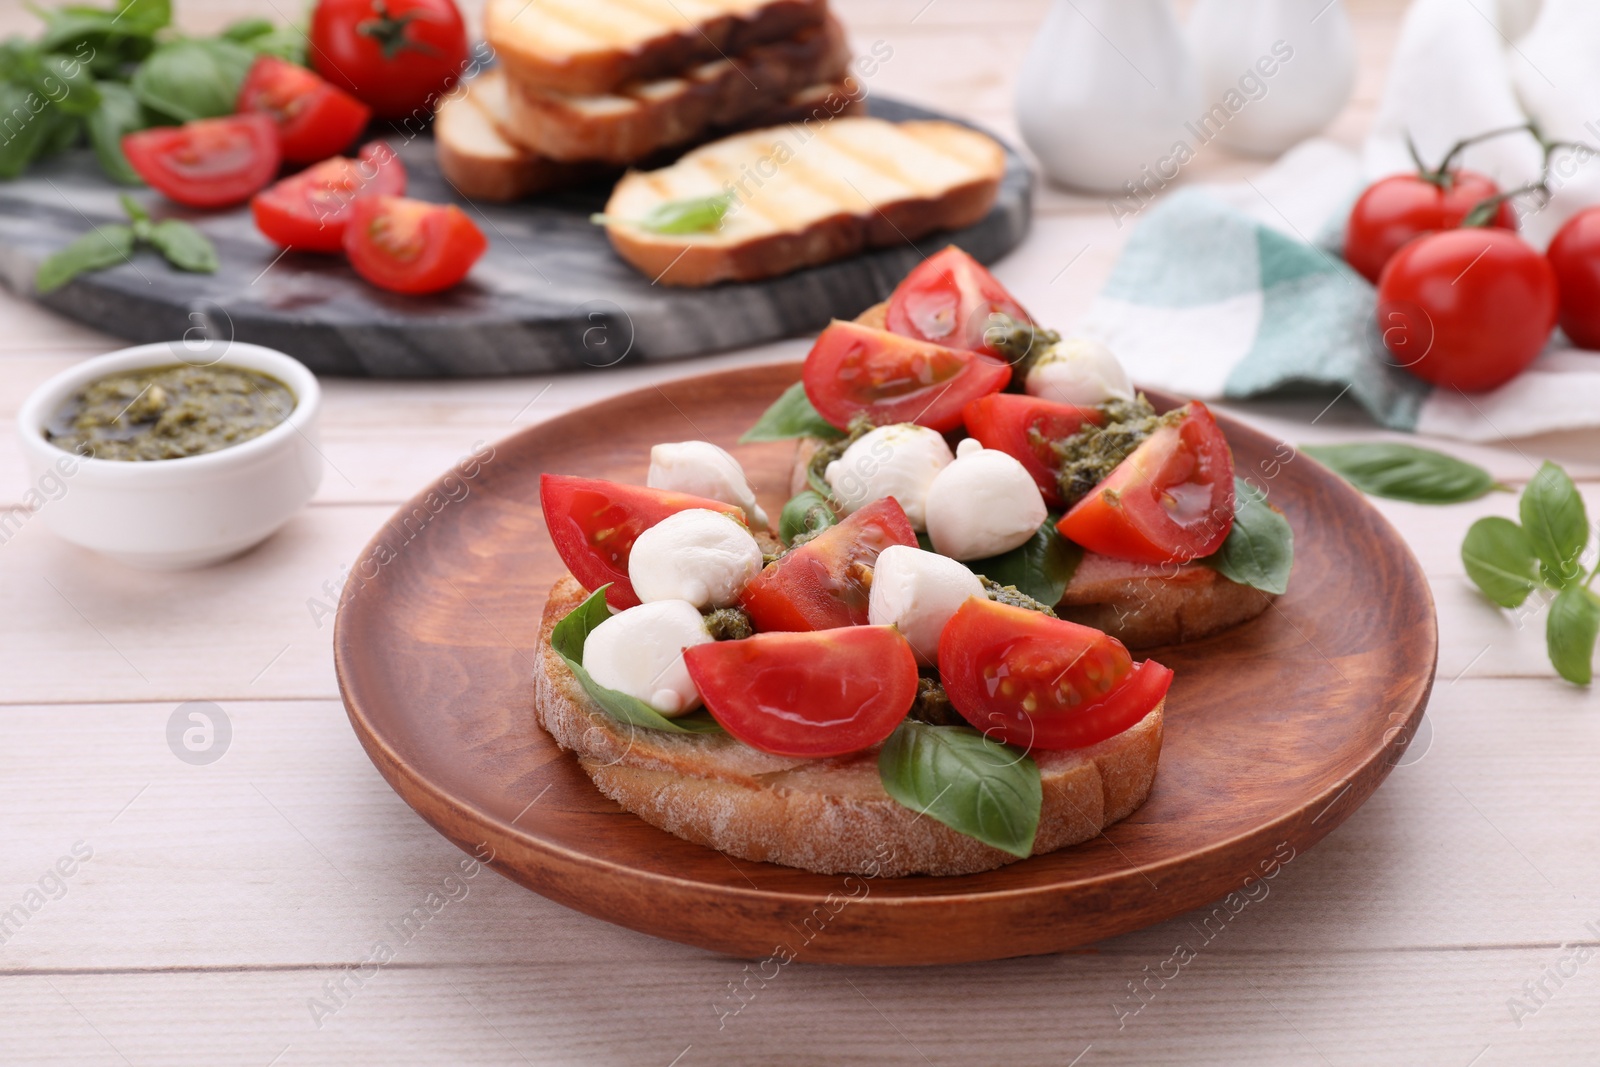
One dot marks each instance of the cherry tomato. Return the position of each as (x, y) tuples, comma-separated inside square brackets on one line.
[(1171, 500), (826, 581), (308, 211), (594, 524), (1467, 308), (950, 299), (808, 695), (1575, 255), (854, 368), (409, 246), (1396, 209), (315, 119), (209, 162), (399, 56), (1029, 680), (1024, 427)]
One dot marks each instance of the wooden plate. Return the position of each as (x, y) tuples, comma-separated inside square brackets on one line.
[(1276, 731)]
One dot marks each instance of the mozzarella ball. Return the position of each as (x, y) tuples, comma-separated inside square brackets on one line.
[(1079, 371), (983, 504), (699, 555), (917, 592), (640, 652), (898, 461), (703, 469)]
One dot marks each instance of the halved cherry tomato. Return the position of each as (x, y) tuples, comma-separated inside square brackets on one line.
[(854, 368), (594, 524), (1024, 427), (1036, 682), (1170, 500), (950, 299), (826, 581), (309, 211), (808, 695), (1393, 211), (409, 246), (397, 55), (209, 162), (315, 119)]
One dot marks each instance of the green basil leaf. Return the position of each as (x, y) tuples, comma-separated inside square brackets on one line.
[(118, 114), (184, 246), (106, 246), (285, 42), (806, 512), (63, 131), (1405, 472), (701, 214), (791, 415), (1500, 561), (105, 39), (193, 79), (142, 16), (1041, 567), (68, 83), (1570, 633), (568, 638), (1259, 551), (973, 785), (25, 127), (1557, 526), (246, 30)]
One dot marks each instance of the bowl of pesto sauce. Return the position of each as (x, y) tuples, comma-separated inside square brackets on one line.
[(163, 460)]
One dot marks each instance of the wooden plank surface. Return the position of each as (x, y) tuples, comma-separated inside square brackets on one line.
[(219, 899)]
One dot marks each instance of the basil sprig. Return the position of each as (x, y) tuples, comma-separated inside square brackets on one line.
[(568, 638), (973, 785), (807, 512), (1259, 550), (1405, 472), (1042, 566), (1508, 562), (183, 246), (791, 415)]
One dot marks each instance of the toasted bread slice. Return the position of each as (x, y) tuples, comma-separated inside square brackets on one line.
[(483, 163), (636, 120), (593, 46), (829, 816), (808, 194)]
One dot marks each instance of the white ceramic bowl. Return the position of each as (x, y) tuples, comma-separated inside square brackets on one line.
[(172, 514)]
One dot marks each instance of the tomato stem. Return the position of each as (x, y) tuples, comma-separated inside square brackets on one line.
[(389, 31), (1483, 213)]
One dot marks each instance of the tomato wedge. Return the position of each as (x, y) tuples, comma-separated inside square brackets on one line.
[(854, 368), (594, 524), (808, 695), (209, 162), (1041, 683), (315, 118), (409, 246), (1024, 427), (1170, 501), (950, 299), (827, 581), (309, 211)]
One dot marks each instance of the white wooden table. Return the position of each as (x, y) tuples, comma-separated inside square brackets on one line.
[(221, 907)]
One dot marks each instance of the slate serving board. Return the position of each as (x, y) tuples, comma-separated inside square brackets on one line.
[(548, 295)]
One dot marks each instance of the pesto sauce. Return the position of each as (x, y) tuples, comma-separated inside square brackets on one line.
[(169, 412), (1088, 456), (1014, 597)]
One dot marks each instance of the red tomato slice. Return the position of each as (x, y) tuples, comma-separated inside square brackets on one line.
[(855, 368), (950, 299), (808, 695), (594, 524), (1024, 427), (1170, 501), (826, 581), (309, 211), (207, 163), (1036, 682), (315, 119), (409, 246)]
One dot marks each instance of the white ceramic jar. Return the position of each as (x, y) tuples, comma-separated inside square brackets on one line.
[(1105, 90), (172, 514)]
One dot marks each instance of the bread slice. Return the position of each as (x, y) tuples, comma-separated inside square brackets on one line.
[(829, 816), (593, 46), (627, 125), (808, 194), (482, 162)]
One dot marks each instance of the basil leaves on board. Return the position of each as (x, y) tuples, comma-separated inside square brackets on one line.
[(973, 785), (183, 246), (193, 78), (1259, 551), (568, 638), (1405, 472), (789, 416), (1040, 567)]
